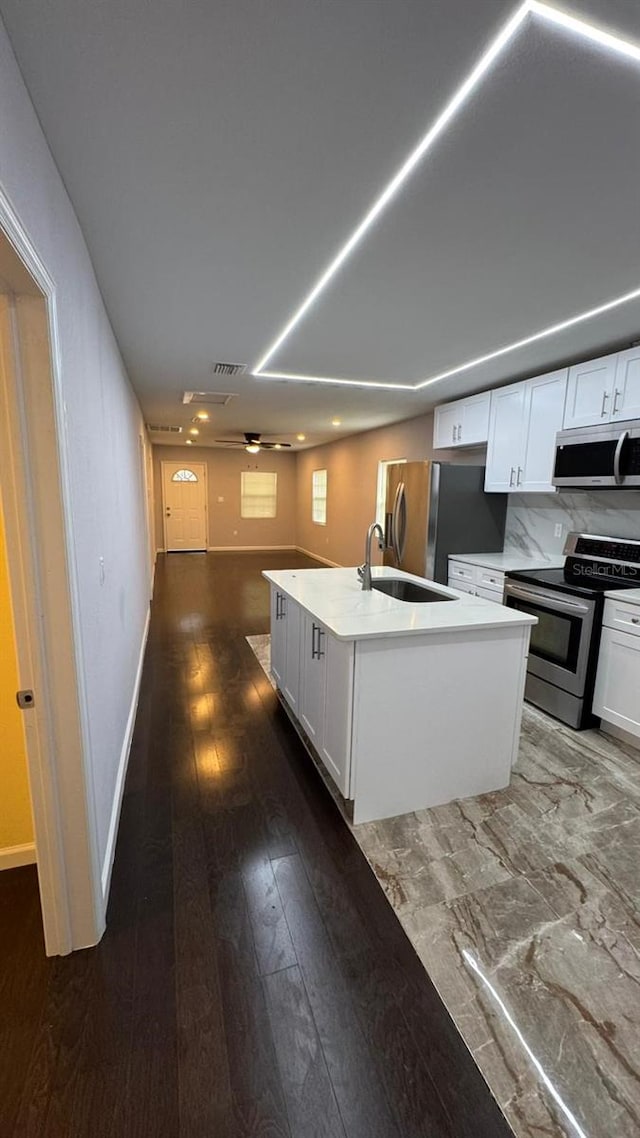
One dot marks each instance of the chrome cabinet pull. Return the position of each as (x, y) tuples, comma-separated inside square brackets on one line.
[(459, 431), (454, 433), (512, 475), (519, 479), (615, 401), (319, 650), (603, 410)]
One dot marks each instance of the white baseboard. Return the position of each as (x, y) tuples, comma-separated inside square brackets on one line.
[(317, 557), (620, 733), (13, 856), (248, 548), (107, 864)]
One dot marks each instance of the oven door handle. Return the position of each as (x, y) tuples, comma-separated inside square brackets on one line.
[(619, 478), (547, 601)]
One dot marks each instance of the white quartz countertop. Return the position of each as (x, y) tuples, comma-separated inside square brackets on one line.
[(629, 596), (336, 598), (510, 562)]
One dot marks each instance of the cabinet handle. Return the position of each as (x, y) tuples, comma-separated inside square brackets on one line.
[(277, 606), (316, 652), (519, 479), (512, 475), (459, 431), (635, 619), (454, 433), (603, 409), (615, 401), (319, 651)]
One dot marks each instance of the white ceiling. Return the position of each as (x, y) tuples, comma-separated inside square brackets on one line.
[(218, 154)]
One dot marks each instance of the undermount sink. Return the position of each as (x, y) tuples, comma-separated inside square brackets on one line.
[(402, 590)]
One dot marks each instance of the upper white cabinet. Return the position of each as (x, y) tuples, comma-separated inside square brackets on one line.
[(464, 423), (626, 392), (523, 423), (604, 390)]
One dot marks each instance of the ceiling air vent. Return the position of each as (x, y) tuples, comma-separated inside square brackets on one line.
[(162, 429), (228, 369), (212, 398)]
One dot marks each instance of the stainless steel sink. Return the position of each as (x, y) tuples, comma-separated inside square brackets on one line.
[(402, 590)]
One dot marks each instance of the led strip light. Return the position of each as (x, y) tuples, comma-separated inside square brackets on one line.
[(546, 12)]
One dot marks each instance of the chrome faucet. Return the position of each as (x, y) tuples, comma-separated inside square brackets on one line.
[(364, 571)]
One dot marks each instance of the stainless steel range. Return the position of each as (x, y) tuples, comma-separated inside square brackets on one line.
[(568, 603)]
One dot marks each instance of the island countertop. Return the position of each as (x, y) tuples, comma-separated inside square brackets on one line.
[(336, 598)]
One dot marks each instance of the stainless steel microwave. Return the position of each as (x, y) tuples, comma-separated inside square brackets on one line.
[(603, 457)]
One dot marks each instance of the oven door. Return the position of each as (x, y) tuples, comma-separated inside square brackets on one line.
[(560, 641)]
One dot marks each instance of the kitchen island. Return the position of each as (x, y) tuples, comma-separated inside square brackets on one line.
[(406, 705)]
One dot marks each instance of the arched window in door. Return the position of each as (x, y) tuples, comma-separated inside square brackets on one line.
[(184, 476)]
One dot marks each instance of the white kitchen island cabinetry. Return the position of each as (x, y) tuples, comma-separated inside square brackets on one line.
[(617, 693), (405, 705)]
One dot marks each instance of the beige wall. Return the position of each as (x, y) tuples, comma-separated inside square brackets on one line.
[(352, 472), (226, 527)]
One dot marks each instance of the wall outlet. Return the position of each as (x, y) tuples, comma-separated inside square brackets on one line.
[(557, 529)]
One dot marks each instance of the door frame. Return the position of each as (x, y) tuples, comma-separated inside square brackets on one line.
[(164, 462), (36, 489)]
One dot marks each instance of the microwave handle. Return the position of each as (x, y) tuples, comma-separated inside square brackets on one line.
[(619, 478)]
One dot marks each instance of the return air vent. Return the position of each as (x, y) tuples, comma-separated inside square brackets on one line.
[(162, 429), (228, 369), (212, 398)]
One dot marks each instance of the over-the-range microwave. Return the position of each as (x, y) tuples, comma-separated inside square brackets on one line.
[(603, 457)]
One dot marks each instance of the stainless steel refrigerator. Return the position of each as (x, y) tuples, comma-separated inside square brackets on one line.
[(436, 509)]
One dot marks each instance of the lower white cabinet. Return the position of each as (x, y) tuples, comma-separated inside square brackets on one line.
[(285, 646), (477, 580), (314, 672), (617, 693)]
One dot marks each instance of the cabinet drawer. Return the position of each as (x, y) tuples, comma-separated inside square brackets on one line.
[(460, 571), (489, 594), (461, 586), (624, 617), (490, 579)]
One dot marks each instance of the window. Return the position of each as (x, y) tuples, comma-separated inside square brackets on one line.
[(381, 492), (319, 497), (258, 494), (184, 476)]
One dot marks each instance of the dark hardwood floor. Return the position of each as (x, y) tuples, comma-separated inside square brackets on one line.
[(253, 982)]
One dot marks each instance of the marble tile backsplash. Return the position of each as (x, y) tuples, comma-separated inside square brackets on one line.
[(532, 518)]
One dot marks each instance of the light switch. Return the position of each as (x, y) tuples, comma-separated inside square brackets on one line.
[(220, 498)]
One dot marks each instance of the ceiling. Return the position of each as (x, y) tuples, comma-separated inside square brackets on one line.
[(219, 154)]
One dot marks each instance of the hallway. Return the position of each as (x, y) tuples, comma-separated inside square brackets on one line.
[(253, 979)]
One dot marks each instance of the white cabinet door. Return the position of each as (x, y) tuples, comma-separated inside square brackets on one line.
[(473, 425), (617, 694), (278, 638), (336, 744), (543, 414), (445, 425), (505, 438), (291, 679), (626, 394), (313, 678), (590, 392)]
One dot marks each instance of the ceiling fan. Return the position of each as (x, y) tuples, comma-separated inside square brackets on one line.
[(252, 442)]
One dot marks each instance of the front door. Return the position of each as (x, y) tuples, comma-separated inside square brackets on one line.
[(184, 501)]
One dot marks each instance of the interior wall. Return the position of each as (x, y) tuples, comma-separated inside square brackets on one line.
[(227, 530), (352, 474), (16, 823), (102, 426)]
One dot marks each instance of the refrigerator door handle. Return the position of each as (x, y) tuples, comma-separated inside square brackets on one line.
[(399, 534), (388, 530)]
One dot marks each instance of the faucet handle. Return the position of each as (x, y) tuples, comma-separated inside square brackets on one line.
[(360, 571)]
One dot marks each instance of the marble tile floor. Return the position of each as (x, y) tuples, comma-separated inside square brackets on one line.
[(524, 907)]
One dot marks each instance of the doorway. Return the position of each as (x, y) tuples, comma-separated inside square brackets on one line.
[(184, 506), (34, 492)]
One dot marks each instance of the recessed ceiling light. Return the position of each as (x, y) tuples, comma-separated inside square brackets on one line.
[(581, 29), (194, 431), (201, 417), (336, 422), (301, 438), (189, 442)]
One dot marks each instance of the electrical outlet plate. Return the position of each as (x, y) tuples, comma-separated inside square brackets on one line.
[(557, 529)]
